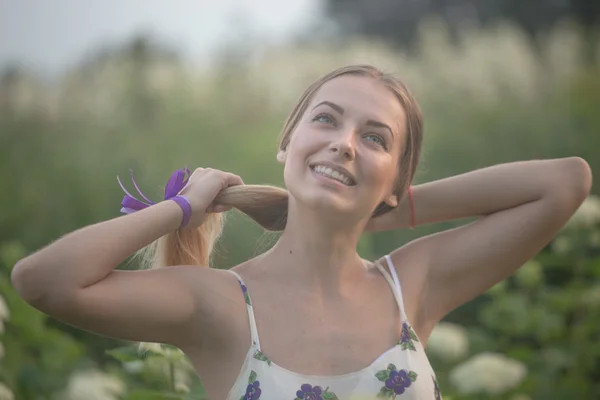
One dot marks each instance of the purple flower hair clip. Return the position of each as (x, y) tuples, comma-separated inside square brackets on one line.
[(178, 180)]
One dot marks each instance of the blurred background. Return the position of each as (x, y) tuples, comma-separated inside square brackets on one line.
[(89, 90)]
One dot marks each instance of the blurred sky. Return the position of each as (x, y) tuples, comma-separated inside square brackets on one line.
[(50, 35)]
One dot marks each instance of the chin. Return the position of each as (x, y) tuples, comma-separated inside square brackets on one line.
[(325, 202), (323, 195)]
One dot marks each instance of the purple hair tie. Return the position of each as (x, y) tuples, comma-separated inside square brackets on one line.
[(177, 182)]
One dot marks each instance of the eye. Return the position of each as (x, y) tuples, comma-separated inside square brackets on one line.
[(376, 139), (324, 119)]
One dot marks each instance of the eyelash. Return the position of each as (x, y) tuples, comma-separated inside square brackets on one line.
[(316, 118), (334, 123)]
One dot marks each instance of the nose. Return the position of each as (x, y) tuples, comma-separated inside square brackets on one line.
[(343, 145)]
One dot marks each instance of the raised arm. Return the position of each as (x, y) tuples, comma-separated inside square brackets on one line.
[(521, 206), (74, 279)]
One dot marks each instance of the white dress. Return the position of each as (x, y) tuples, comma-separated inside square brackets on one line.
[(402, 372)]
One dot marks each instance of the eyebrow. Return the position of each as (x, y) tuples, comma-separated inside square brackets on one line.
[(378, 124), (337, 108), (370, 122)]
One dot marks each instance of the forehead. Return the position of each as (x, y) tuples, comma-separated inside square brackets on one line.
[(363, 97)]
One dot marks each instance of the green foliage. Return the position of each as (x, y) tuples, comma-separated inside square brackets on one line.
[(61, 150), (547, 317)]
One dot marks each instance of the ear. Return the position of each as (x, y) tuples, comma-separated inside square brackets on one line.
[(281, 156), (391, 200)]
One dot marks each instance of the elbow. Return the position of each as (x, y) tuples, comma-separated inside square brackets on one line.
[(21, 279), (579, 179), (32, 286), (572, 182), (42, 289)]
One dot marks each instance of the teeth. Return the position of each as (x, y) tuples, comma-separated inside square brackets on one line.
[(326, 171)]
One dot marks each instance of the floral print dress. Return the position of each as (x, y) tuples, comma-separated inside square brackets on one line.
[(402, 372)]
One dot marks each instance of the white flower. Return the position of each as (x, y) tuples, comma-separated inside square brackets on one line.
[(491, 373), (152, 347), (94, 385), (180, 370), (182, 386), (183, 380), (448, 341), (5, 392), (4, 311), (133, 367), (170, 353)]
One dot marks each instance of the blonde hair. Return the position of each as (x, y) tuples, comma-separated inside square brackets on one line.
[(268, 205)]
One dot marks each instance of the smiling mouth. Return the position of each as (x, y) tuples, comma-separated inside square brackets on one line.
[(333, 174)]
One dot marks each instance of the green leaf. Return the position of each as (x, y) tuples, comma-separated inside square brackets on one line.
[(247, 298), (125, 354), (383, 375), (261, 357), (252, 377), (384, 393), (391, 367), (411, 346), (412, 375), (197, 391), (594, 267), (329, 396), (413, 335)]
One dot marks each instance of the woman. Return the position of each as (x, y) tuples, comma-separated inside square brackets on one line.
[(309, 318)]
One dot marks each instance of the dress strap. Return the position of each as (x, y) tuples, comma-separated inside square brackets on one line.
[(394, 282), (390, 264), (251, 318)]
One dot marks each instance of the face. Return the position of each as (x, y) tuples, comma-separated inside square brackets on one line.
[(344, 153)]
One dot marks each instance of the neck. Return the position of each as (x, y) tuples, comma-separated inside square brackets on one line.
[(318, 249)]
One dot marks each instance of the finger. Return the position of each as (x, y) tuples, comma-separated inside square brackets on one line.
[(219, 208), (233, 180), (197, 171)]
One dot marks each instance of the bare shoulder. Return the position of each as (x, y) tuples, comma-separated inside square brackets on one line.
[(218, 297), (181, 305)]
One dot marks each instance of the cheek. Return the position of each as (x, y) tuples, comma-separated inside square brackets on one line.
[(295, 160), (303, 139), (382, 177), (302, 145), (383, 170)]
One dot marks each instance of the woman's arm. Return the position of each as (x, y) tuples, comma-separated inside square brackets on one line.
[(482, 192), (521, 206), (74, 279), (88, 255)]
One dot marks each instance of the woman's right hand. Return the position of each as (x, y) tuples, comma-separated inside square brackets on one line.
[(75, 279), (201, 190)]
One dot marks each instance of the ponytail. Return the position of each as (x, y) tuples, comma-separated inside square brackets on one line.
[(266, 205)]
